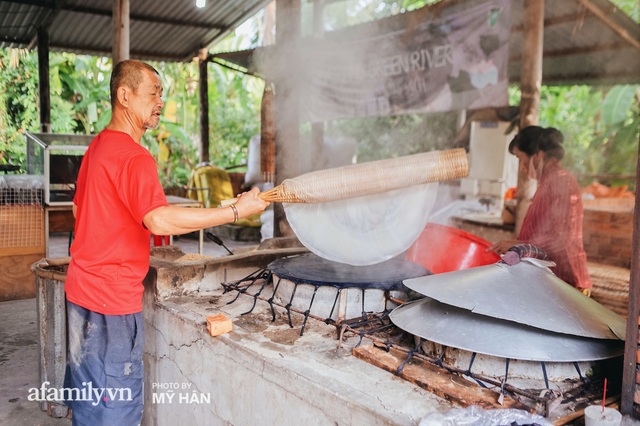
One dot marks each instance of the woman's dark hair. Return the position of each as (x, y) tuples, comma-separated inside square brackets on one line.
[(532, 139)]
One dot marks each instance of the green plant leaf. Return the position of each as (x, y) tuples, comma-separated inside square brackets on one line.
[(617, 103)]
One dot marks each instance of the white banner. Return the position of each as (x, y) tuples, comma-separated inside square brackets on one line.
[(458, 60)]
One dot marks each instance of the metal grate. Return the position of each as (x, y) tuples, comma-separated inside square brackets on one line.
[(540, 397), (21, 219)]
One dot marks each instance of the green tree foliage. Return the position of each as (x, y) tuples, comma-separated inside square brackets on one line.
[(601, 126), (630, 7), (82, 84), (80, 103), (234, 102), (174, 143), (18, 105), (621, 129), (234, 115), (78, 90)]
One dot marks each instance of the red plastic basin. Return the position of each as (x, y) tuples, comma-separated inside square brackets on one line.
[(442, 248)]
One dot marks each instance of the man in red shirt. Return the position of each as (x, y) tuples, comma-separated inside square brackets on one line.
[(119, 203), (553, 221)]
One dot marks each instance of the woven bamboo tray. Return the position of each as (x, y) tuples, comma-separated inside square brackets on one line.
[(371, 177), (610, 286)]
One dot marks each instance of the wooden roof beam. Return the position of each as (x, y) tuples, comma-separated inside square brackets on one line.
[(577, 50), (13, 40), (624, 34), (38, 3), (559, 20), (593, 78), (142, 18), (145, 54)]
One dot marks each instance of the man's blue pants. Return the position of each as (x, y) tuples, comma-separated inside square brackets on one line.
[(104, 378)]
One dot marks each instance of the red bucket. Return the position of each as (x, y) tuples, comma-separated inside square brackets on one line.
[(442, 248)]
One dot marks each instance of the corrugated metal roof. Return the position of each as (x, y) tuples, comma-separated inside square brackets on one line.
[(169, 30), (585, 41)]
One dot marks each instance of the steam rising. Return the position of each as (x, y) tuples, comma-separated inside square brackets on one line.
[(389, 68)]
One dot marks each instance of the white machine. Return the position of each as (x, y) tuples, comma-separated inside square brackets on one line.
[(492, 169)]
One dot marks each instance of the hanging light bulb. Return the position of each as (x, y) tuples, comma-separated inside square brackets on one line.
[(201, 3)]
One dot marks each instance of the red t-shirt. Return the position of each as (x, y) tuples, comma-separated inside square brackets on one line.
[(117, 186)]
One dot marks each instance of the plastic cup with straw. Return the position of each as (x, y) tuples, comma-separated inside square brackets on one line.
[(595, 415)]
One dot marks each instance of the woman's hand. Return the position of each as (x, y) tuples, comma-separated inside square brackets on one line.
[(501, 247)]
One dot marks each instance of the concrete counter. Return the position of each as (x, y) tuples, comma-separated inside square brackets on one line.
[(262, 372)]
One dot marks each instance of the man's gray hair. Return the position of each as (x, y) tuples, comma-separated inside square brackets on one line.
[(127, 73)]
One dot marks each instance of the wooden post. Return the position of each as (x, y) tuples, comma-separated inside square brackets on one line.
[(317, 129), (631, 351), (43, 81), (530, 82), (267, 135), (269, 24), (287, 103), (120, 48), (267, 108), (203, 91)]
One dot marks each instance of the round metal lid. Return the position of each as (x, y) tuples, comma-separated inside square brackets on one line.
[(460, 328), (526, 293), (312, 269)]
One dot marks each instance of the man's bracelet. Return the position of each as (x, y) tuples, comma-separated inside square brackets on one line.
[(235, 213)]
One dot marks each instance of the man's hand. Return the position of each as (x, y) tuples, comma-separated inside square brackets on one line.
[(249, 203)]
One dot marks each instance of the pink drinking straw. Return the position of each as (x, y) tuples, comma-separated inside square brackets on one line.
[(604, 394)]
